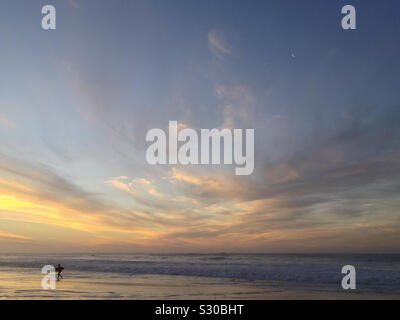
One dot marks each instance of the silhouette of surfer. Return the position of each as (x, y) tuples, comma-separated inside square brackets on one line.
[(59, 269)]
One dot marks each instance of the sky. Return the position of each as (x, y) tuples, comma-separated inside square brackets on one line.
[(76, 104)]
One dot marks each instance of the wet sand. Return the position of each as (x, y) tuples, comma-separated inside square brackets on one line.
[(25, 283)]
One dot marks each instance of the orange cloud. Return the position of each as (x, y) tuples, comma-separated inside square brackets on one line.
[(13, 236)]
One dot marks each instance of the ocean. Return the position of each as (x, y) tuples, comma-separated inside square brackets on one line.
[(201, 276)]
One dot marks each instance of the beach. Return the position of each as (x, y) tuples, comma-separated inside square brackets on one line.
[(200, 276)]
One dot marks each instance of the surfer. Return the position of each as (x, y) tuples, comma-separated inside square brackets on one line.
[(59, 269)]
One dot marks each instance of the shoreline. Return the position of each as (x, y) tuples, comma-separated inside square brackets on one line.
[(25, 284)]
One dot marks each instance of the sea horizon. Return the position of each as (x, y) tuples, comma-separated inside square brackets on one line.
[(200, 276)]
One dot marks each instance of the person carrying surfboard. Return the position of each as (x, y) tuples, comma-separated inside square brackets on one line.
[(59, 269)]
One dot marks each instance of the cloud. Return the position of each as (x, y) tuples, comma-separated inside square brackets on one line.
[(319, 193), (207, 188), (217, 45), (281, 173), (346, 182), (12, 236), (34, 192), (143, 192), (237, 104), (5, 122)]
